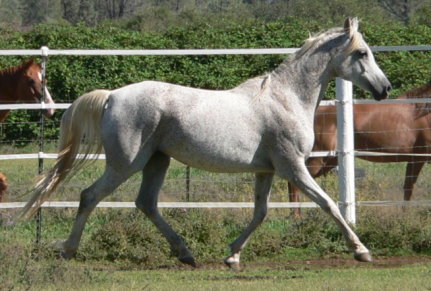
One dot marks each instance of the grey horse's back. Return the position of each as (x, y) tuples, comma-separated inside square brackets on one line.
[(213, 130)]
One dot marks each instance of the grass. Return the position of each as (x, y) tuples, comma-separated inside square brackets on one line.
[(381, 182), (287, 276), (122, 250), (278, 278)]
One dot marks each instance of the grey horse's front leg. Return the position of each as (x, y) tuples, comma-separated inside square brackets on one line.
[(296, 171), (153, 177), (262, 192)]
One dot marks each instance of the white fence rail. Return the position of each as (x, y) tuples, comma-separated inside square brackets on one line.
[(347, 202), (75, 204), (45, 51)]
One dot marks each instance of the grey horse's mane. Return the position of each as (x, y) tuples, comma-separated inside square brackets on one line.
[(355, 40), (309, 44), (350, 29)]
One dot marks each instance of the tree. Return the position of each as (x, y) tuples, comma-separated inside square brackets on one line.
[(79, 11), (9, 12), (86, 12), (402, 10), (116, 9), (34, 11), (70, 10)]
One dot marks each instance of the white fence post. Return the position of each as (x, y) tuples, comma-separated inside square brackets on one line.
[(345, 149)]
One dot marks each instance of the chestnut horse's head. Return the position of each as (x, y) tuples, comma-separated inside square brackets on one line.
[(29, 87)]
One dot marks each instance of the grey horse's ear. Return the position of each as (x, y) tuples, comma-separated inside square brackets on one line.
[(351, 25)]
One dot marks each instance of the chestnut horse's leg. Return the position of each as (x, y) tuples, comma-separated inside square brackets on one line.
[(3, 186), (294, 197), (412, 172)]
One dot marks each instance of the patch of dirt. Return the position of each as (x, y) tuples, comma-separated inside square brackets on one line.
[(379, 262), (251, 278), (312, 265), (326, 263)]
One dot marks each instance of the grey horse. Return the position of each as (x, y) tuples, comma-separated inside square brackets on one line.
[(264, 126)]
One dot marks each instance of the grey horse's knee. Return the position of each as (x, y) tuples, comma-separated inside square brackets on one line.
[(147, 208), (87, 199)]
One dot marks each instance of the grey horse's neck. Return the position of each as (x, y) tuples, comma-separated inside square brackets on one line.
[(307, 73), (306, 77)]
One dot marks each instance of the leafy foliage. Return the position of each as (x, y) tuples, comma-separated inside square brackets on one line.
[(71, 76)]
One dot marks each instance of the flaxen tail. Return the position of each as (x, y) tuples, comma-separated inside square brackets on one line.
[(79, 133)]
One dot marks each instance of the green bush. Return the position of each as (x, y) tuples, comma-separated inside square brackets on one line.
[(126, 238), (71, 76), (396, 229), (25, 265)]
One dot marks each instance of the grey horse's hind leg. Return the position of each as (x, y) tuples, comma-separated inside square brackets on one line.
[(153, 177), (297, 172), (90, 197), (262, 192)]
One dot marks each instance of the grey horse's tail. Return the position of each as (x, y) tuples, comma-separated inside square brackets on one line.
[(79, 132)]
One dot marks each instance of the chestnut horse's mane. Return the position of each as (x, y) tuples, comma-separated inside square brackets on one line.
[(421, 92), (15, 69), (421, 109)]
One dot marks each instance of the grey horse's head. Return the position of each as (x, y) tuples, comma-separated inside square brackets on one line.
[(356, 63)]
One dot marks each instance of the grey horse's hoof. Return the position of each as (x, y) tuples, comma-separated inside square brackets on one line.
[(363, 257), (62, 253), (66, 256), (188, 260), (234, 265)]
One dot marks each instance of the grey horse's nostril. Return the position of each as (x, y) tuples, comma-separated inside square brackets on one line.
[(388, 88)]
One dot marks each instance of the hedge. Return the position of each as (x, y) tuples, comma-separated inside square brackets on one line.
[(71, 76)]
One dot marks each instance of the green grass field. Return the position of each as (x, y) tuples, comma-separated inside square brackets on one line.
[(279, 277), (342, 275), (122, 250)]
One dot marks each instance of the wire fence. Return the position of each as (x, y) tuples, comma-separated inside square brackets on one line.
[(41, 155)]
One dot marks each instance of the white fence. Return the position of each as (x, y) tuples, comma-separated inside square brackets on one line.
[(345, 152)]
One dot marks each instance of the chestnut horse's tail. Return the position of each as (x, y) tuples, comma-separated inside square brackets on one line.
[(79, 132)]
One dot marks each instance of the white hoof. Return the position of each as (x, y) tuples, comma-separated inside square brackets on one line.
[(233, 263), (363, 257)]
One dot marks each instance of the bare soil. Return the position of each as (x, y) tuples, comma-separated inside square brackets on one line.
[(380, 262), (326, 263)]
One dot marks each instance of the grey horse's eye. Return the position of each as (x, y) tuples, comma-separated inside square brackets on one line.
[(362, 53)]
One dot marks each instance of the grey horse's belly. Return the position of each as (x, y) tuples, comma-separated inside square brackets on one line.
[(219, 156), (220, 165)]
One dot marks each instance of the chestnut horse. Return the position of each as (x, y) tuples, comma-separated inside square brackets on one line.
[(388, 128), (22, 83)]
